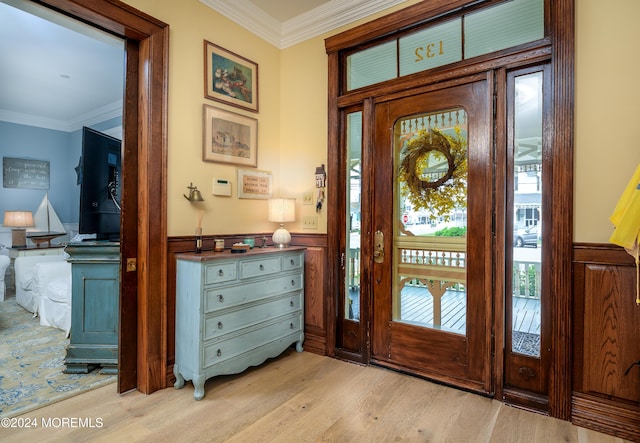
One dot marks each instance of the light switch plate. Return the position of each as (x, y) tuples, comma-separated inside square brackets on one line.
[(307, 198), (310, 222)]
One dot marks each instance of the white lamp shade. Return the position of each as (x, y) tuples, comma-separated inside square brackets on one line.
[(18, 219), (282, 210)]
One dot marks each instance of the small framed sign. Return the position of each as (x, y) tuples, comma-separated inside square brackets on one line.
[(254, 184)]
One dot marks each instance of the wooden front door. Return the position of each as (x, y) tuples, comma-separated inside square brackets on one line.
[(431, 234)]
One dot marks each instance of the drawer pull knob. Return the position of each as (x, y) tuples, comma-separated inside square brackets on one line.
[(291, 326), (219, 325), (220, 298), (293, 262), (219, 353), (291, 303), (262, 267), (293, 282), (220, 272)]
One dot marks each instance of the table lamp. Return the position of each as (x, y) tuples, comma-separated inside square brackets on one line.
[(282, 210), (18, 221)]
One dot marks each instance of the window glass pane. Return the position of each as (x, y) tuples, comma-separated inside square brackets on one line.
[(353, 193), (527, 226), (430, 228), (435, 46), (373, 65), (503, 26)]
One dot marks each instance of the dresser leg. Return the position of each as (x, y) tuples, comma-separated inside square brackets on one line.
[(179, 384), (198, 384), (299, 346)]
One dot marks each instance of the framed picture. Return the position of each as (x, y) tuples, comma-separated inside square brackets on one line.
[(230, 78), (254, 184), (229, 137)]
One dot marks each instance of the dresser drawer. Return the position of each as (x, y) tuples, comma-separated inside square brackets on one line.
[(219, 273), (216, 299), (255, 268), (219, 351), (217, 325), (292, 262)]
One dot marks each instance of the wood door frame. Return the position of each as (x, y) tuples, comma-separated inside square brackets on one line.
[(559, 47), (142, 359)]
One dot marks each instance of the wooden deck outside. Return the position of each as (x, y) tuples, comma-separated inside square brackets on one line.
[(417, 308)]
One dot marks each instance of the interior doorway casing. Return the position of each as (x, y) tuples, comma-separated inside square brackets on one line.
[(142, 360)]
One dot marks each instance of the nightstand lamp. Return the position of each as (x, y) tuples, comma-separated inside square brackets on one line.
[(282, 210), (18, 221)]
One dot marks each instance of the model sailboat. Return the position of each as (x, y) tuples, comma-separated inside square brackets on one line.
[(47, 225)]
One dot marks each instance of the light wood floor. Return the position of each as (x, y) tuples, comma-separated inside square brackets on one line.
[(299, 397)]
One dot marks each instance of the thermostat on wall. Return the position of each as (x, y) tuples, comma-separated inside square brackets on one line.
[(221, 187)]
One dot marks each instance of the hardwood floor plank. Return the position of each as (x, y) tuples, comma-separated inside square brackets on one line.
[(299, 397)]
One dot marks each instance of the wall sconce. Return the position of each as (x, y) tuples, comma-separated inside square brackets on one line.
[(19, 221), (194, 194), (282, 210)]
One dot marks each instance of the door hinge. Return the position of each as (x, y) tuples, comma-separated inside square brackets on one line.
[(342, 259)]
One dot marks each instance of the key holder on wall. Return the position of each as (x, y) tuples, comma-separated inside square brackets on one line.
[(321, 183)]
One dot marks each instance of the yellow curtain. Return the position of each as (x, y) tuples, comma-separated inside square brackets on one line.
[(626, 219)]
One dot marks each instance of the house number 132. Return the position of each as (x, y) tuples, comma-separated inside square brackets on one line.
[(432, 50)]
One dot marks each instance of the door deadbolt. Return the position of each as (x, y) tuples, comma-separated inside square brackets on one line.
[(378, 247)]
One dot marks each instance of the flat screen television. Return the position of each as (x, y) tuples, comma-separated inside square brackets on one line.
[(100, 169)]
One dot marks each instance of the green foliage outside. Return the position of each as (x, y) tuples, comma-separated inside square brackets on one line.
[(452, 232)]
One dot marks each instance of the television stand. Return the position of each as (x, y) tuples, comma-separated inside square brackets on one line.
[(95, 296)]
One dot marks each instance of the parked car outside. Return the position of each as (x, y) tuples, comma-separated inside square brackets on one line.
[(526, 237)]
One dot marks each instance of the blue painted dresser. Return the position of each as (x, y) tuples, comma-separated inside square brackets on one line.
[(95, 300), (236, 310)]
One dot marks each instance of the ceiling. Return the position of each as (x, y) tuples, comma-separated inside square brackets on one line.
[(64, 75)]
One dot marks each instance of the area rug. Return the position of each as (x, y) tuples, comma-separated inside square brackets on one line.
[(32, 361)]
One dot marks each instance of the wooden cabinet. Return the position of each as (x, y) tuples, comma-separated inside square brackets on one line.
[(236, 310), (95, 297)]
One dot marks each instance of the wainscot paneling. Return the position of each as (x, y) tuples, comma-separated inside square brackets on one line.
[(606, 387), (315, 329)]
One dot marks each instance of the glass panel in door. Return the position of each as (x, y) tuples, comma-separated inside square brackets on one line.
[(431, 220), (353, 195), (527, 223)]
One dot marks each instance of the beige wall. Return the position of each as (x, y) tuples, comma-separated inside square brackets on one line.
[(292, 128), (191, 22), (607, 150)]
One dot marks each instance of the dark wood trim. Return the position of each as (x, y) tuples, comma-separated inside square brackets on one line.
[(561, 227), (500, 256), (605, 327), (601, 253), (142, 348), (128, 355), (335, 196), (606, 416)]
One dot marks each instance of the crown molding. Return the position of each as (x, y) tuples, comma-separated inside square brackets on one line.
[(258, 21), (315, 22), (99, 115)]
